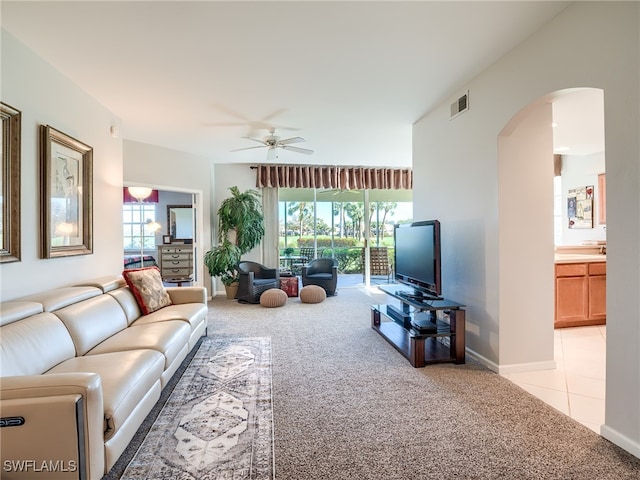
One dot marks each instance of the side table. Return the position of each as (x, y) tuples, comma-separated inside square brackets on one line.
[(289, 285), (179, 280)]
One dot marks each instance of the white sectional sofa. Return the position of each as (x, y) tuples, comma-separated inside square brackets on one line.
[(80, 369)]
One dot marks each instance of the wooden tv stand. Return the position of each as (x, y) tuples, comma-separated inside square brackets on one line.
[(421, 348)]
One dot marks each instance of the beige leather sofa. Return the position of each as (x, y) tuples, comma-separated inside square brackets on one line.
[(80, 370)]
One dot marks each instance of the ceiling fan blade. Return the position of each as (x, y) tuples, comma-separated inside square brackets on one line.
[(306, 151), (257, 140), (247, 148), (288, 141)]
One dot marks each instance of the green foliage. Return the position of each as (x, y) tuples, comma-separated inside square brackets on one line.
[(221, 261), (349, 259), (241, 213), (239, 219), (325, 242)]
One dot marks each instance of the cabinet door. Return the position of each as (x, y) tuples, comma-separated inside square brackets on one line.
[(572, 300), (598, 297)]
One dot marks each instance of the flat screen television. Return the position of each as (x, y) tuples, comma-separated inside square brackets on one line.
[(417, 257)]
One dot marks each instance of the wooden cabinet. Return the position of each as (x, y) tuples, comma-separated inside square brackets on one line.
[(598, 291), (175, 261), (580, 294)]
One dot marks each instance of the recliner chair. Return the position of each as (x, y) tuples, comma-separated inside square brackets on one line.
[(254, 280), (322, 272)]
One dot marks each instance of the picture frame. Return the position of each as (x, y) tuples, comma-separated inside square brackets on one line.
[(11, 119), (580, 207), (66, 166), (166, 239)]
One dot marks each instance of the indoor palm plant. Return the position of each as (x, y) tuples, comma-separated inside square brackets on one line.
[(240, 228)]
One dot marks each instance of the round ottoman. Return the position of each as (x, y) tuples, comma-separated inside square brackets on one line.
[(312, 294), (274, 297)]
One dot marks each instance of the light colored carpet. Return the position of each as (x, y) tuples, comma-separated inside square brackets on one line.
[(347, 405)]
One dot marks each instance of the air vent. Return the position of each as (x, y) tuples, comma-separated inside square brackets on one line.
[(460, 106)]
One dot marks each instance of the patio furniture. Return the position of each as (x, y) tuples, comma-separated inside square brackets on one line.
[(322, 272), (378, 262), (254, 280)]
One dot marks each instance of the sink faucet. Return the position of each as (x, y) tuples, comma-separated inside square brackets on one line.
[(603, 250)]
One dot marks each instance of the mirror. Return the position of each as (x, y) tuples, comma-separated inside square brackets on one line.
[(10, 184), (180, 222)]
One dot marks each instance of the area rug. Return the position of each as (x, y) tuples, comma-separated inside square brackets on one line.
[(218, 421)]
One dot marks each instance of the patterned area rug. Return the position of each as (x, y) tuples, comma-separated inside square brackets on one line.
[(218, 421)]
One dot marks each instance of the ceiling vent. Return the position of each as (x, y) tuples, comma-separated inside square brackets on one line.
[(460, 106)]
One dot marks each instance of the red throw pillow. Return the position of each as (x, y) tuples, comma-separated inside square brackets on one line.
[(148, 289)]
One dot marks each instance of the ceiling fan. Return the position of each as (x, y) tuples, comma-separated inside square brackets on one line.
[(272, 142)]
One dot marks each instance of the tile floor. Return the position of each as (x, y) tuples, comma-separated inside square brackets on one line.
[(576, 386)]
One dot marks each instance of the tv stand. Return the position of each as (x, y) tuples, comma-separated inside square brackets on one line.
[(416, 329), (419, 297)]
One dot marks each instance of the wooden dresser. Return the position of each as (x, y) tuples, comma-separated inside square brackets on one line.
[(175, 261)]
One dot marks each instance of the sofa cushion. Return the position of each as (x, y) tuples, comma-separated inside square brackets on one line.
[(193, 313), (168, 338), (14, 311), (126, 378), (148, 289), (128, 302), (34, 345), (106, 283), (57, 298), (92, 321)]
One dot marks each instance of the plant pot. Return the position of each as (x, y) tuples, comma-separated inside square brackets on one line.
[(231, 290)]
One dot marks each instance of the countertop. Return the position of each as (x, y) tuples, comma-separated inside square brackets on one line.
[(579, 258)]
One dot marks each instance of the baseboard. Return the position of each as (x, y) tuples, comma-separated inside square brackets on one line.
[(526, 367), (620, 440), (482, 360), (513, 368)]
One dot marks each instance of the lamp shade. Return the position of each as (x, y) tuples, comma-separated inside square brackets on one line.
[(139, 193)]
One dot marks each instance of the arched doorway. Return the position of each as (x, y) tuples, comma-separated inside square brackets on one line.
[(526, 208)]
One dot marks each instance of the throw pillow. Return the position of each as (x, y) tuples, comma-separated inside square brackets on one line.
[(146, 286)]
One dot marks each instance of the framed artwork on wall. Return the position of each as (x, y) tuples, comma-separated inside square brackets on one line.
[(66, 194), (10, 184), (580, 207)]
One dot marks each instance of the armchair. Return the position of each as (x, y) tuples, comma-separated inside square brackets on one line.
[(322, 272), (254, 280)]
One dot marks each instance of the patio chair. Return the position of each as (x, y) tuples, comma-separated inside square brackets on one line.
[(379, 262), (322, 272), (254, 280)]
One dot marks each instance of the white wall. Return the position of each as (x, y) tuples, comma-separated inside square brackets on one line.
[(229, 175), (580, 171), (456, 170), (525, 204), (167, 169), (46, 97)]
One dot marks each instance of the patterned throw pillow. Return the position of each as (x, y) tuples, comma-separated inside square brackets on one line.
[(146, 285)]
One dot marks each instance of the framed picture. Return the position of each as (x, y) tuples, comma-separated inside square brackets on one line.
[(10, 184), (166, 239), (580, 207), (66, 194)]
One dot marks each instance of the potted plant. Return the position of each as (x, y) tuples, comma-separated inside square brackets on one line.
[(240, 228)]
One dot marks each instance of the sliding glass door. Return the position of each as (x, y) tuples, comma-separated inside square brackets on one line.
[(341, 224)]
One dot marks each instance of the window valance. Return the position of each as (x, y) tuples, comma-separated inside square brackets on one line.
[(342, 178)]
